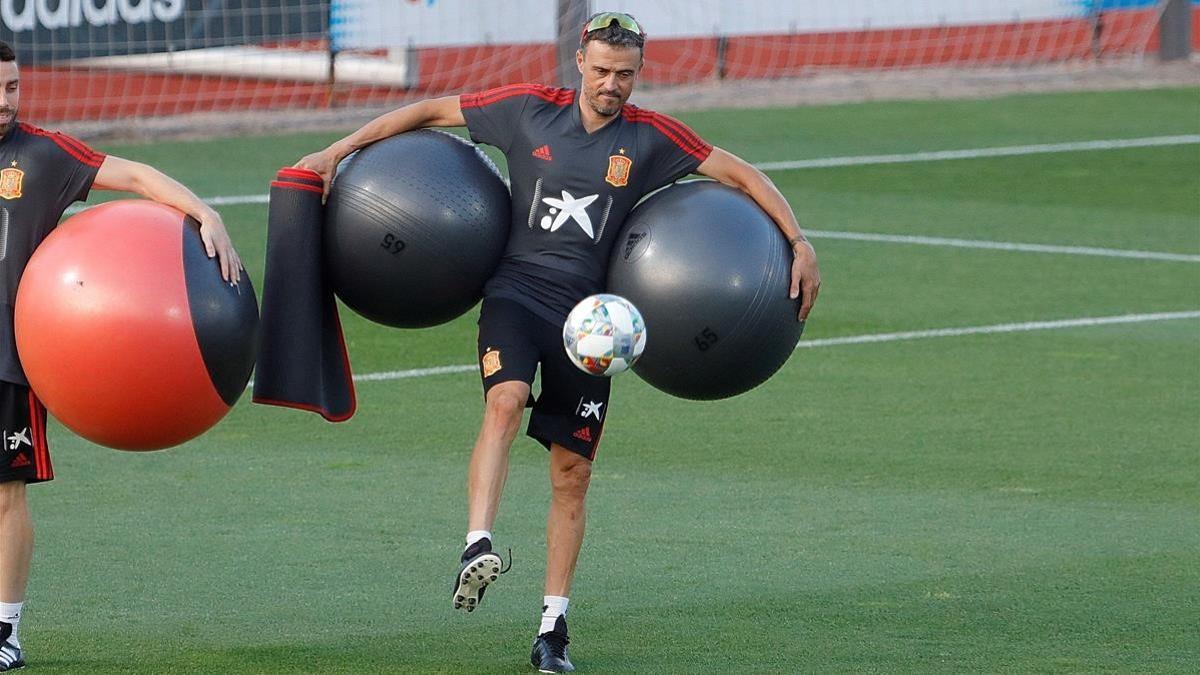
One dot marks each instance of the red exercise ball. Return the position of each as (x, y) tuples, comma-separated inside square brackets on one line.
[(126, 330)]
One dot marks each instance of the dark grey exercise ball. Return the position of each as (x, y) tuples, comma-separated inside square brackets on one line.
[(414, 226), (709, 271)]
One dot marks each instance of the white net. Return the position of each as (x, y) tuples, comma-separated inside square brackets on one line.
[(116, 59)]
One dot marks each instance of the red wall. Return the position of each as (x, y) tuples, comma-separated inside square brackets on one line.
[(61, 94)]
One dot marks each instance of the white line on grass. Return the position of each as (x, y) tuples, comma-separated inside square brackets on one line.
[(238, 199), (862, 339), (230, 200), (976, 153), (895, 239), (417, 372), (1027, 326), (858, 160), (1004, 245), (1007, 151)]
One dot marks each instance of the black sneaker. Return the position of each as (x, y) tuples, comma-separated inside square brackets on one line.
[(550, 650), (480, 567), (10, 654)]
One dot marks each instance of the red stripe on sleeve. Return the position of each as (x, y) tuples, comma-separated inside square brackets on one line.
[(676, 130), (681, 129), (73, 146), (91, 159), (79, 145), (482, 98), (553, 95), (673, 129), (85, 156), (692, 146)]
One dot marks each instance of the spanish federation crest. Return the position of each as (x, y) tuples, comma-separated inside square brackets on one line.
[(491, 362), (11, 179), (618, 170)]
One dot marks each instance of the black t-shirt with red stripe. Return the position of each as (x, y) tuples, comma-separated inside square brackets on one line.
[(571, 190), (41, 174)]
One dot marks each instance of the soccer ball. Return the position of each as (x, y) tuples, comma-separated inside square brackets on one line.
[(604, 334)]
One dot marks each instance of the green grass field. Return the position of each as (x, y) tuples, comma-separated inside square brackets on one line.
[(1006, 502)]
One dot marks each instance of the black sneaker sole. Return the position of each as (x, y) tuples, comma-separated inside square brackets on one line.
[(474, 578), (540, 669)]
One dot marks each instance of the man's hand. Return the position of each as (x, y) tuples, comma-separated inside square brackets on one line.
[(733, 170), (217, 243), (431, 112), (324, 163), (806, 276), (142, 179)]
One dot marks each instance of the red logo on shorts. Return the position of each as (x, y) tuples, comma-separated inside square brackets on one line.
[(584, 434), (21, 461)]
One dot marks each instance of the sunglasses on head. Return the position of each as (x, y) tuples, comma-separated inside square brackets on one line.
[(607, 19)]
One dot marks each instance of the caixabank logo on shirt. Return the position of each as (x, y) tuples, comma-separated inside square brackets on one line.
[(550, 214)]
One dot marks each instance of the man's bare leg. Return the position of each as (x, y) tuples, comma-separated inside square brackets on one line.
[(486, 475), (570, 475), (16, 554)]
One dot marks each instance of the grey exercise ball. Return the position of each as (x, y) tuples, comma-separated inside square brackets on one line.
[(709, 271), (414, 226)]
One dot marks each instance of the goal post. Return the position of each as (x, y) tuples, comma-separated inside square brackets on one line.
[(1177, 26)]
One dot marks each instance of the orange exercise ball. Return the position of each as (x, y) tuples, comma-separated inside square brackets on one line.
[(126, 331)]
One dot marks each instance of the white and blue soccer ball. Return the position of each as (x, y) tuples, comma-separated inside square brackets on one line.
[(604, 334)]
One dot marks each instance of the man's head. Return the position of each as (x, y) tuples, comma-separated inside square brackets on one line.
[(10, 88), (609, 58)]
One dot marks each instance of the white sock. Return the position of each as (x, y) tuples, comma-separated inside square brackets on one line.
[(553, 606), (10, 612), (475, 535)]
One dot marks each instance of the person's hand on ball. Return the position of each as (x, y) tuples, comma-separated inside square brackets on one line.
[(324, 163), (806, 276), (217, 243)]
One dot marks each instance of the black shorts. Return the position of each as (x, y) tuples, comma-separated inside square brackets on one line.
[(24, 454), (572, 405)]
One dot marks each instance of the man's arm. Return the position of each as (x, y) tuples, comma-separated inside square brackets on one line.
[(128, 176), (433, 112), (734, 171)]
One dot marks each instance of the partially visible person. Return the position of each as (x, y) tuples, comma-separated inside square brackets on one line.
[(41, 174)]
